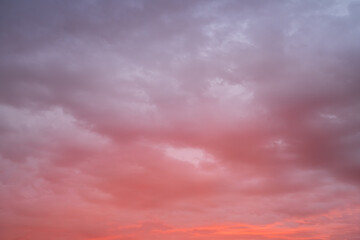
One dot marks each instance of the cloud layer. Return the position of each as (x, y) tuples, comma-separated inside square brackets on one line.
[(133, 120)]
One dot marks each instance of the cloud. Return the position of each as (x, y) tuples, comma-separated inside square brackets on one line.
[(189, 120)]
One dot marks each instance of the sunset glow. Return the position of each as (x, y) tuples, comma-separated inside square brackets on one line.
[(180, 120)]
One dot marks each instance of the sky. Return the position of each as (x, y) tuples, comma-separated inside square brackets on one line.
[(180, 120)]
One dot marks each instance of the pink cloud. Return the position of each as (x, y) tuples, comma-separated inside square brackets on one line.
[(179, 119)]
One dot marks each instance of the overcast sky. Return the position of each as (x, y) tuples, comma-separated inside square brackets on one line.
[(182, 120)]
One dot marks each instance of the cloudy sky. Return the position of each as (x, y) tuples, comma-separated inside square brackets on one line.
[(182, 120)]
